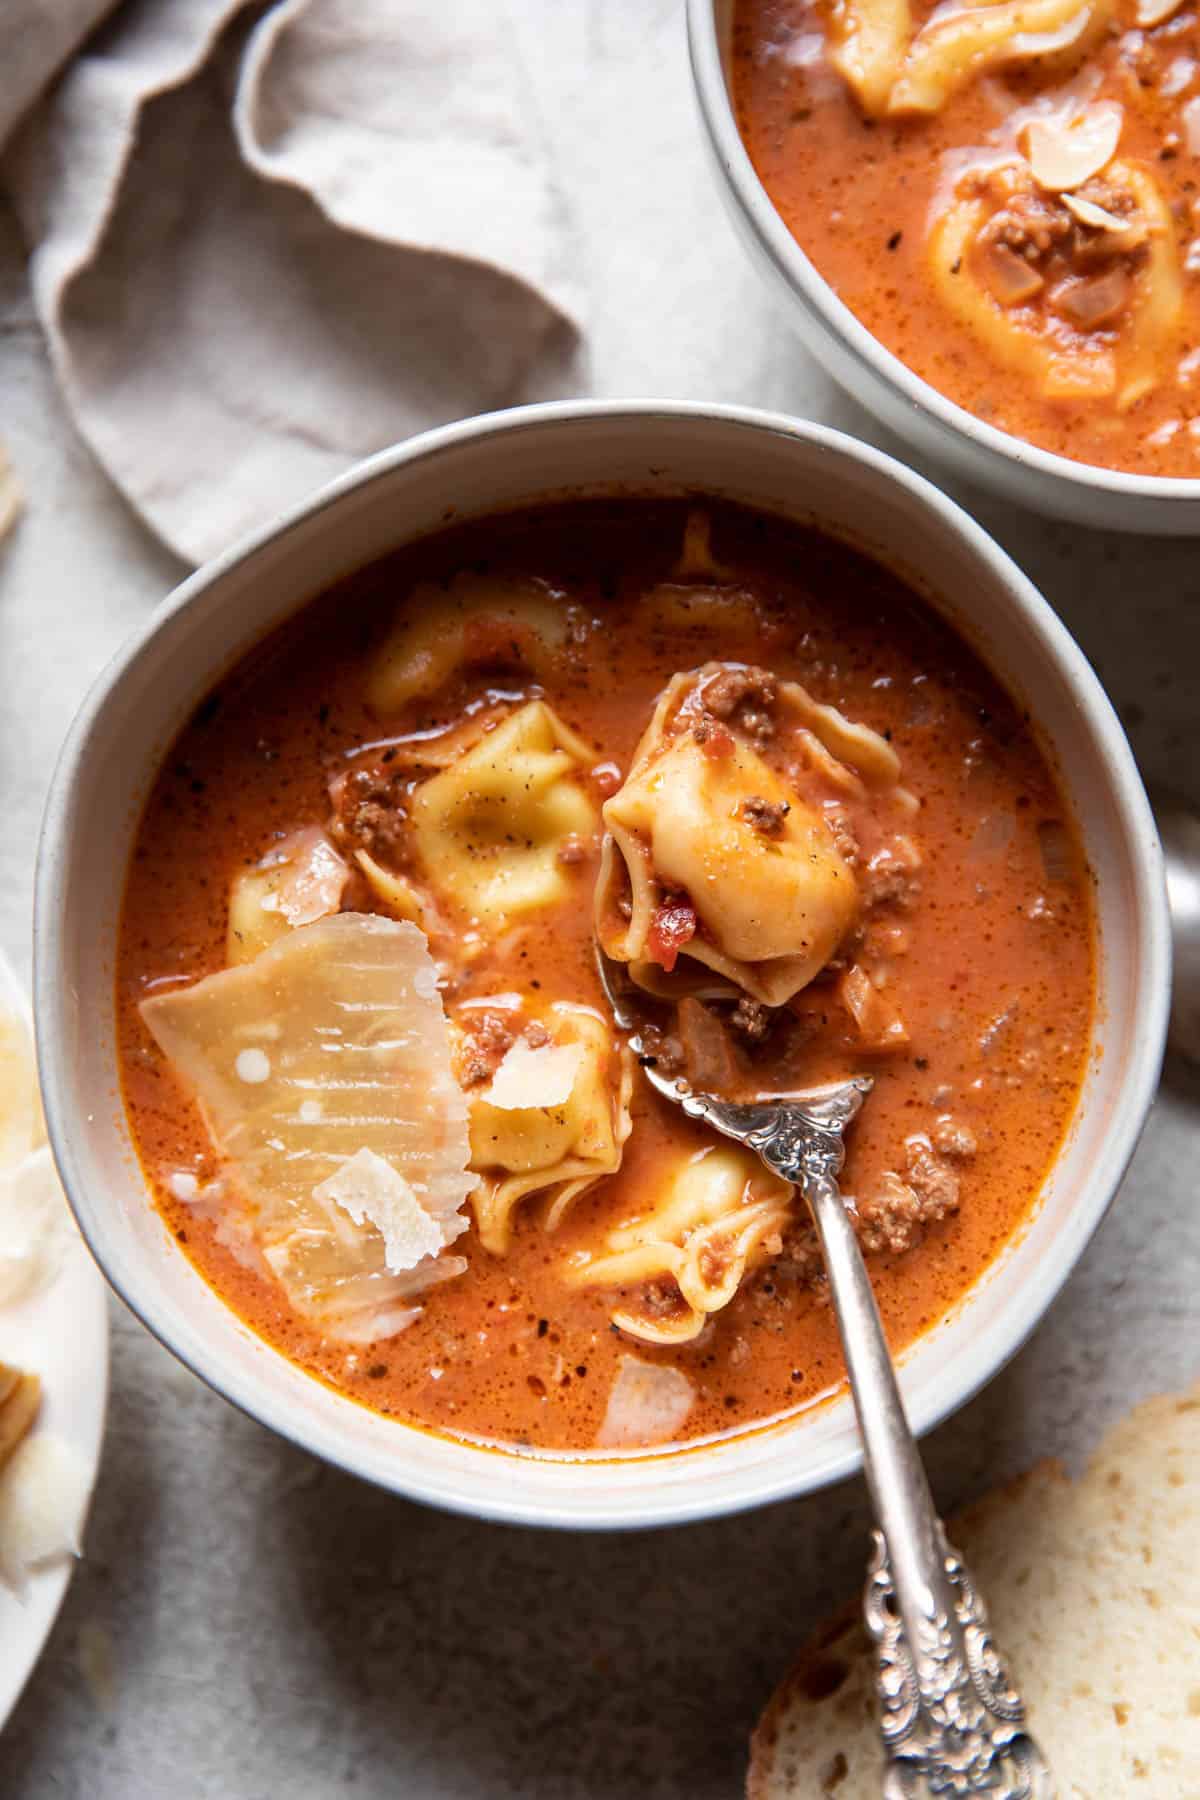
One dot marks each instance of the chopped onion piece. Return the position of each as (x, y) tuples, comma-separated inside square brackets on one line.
[(647, 1405), (1011, 279), (1055, 846), (1064, 155), (1095, 301), (993, 833)]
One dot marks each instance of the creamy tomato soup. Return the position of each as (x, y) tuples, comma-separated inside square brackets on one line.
[(366, 1060), (1006, 196)]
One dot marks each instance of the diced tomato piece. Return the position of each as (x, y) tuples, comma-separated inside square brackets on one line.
[(673, 925), (717, 743)]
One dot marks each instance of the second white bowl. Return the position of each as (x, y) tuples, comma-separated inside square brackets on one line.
[(1105, 498)]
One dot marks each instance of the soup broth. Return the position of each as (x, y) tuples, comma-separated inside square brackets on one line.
[(353, 744)]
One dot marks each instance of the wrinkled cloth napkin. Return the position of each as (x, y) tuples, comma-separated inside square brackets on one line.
[(268, 239)]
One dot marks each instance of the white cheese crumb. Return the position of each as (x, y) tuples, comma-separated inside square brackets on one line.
[(253, 1066), (183, 1185), (530, 1077), (373, 1192)]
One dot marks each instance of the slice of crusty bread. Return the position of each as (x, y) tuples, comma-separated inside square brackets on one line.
[(1093, 1588)]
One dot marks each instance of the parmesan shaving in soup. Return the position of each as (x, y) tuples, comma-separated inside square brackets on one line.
[(367, 1059), (323, 1071), (534, 1078), (298, 882)]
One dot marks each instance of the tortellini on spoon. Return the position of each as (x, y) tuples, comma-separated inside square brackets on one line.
[(721, 871)]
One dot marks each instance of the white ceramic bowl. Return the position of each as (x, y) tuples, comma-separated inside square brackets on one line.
[(149, 690), (880, 381)]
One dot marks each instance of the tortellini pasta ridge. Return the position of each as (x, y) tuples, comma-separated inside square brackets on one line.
[(489, 829), (718, 1215), (1095, 312), (558, 1149), (476, 618)]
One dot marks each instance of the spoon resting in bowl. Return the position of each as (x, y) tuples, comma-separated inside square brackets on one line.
[(951, 1721)]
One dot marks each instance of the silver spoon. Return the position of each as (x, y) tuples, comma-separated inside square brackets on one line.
[(951, 1721)]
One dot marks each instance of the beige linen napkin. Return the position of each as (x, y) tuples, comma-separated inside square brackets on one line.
[(267, 240)]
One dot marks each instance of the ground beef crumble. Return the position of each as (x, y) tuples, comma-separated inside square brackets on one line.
[(491, 1036), (953, 1139), (745, 697), (893, 874), (751, 1018), (370, 813), (766, 816)]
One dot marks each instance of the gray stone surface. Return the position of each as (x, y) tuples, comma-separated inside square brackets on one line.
[(249, 1624)]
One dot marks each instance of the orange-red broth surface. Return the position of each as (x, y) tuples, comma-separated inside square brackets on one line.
[(990, 963), (866, 195)]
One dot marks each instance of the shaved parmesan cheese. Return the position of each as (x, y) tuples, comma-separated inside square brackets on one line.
[(1064, 155), (372, 1192), (301, 880), (36, 1228), (1098, 217), (648, 1404), (43, 1495), (540, 1077), (20, 1111), (359, 1062)]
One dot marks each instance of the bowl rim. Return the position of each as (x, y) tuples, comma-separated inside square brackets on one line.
[(790, 261), (768, 1482)]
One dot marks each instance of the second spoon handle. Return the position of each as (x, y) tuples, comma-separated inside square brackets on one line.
[(951, 1721)]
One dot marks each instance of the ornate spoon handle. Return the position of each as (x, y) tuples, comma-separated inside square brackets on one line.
[(951, 1721)]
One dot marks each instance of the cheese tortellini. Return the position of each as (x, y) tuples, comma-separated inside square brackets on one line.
[(718, 1215), (717, 873), (476, 618), (893, 72), (554, 1117), (1077, 287), (490, 828)]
